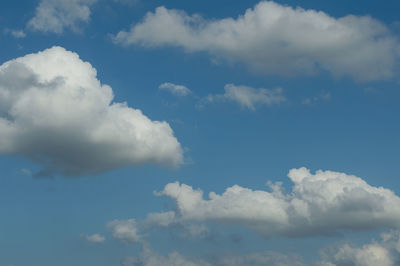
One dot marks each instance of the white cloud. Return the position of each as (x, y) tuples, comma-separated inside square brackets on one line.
[(54, 16), (55, 111), (276, 39), (383, 253), (178, 90), (248, 97), (124, 230), (323, 203), (148, 257), (96, 238)]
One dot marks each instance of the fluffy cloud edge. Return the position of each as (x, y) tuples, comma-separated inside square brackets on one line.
[(277, 39), (95, 135), (54, 16), (324, 203)]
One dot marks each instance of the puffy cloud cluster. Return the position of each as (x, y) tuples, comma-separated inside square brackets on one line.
[(178, 90), (383, 253), (323, 203), (248, 97), (55, 111), (56, 15), (277, 39), (148, 257)]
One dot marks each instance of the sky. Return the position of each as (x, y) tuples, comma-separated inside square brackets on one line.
[(196, 133)]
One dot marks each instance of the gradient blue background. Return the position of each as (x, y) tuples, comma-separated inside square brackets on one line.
[(356, 131)]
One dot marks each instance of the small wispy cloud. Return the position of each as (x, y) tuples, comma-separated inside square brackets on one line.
[(248, 97), (26, 172), (19, 34), (96, 238), (322, 97), (178, 90)]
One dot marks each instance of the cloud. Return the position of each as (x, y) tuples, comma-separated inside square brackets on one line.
[(259, 259), (124, 230), (196, 231), (96, 238), (248, 97), (325, 96), (26, 172), (55, 111), (169, 220), (148, 257), (324, 203), (276, 39), (178, 90), (54, 16), (19, 34), (383, 253)]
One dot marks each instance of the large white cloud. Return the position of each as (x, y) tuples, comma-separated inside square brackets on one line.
[(277, 39), (55, 16), (323, 203), (55, 111)]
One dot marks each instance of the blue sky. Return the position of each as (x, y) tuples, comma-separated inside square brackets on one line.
[(140, 132)]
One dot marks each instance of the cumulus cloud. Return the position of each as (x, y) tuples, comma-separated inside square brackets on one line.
[(178, 90), (54, 16), (148, 257), (55, 111), (248, 97), (124, 230), (323, 203), (96, 238), (277, 39), (383, 253)]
